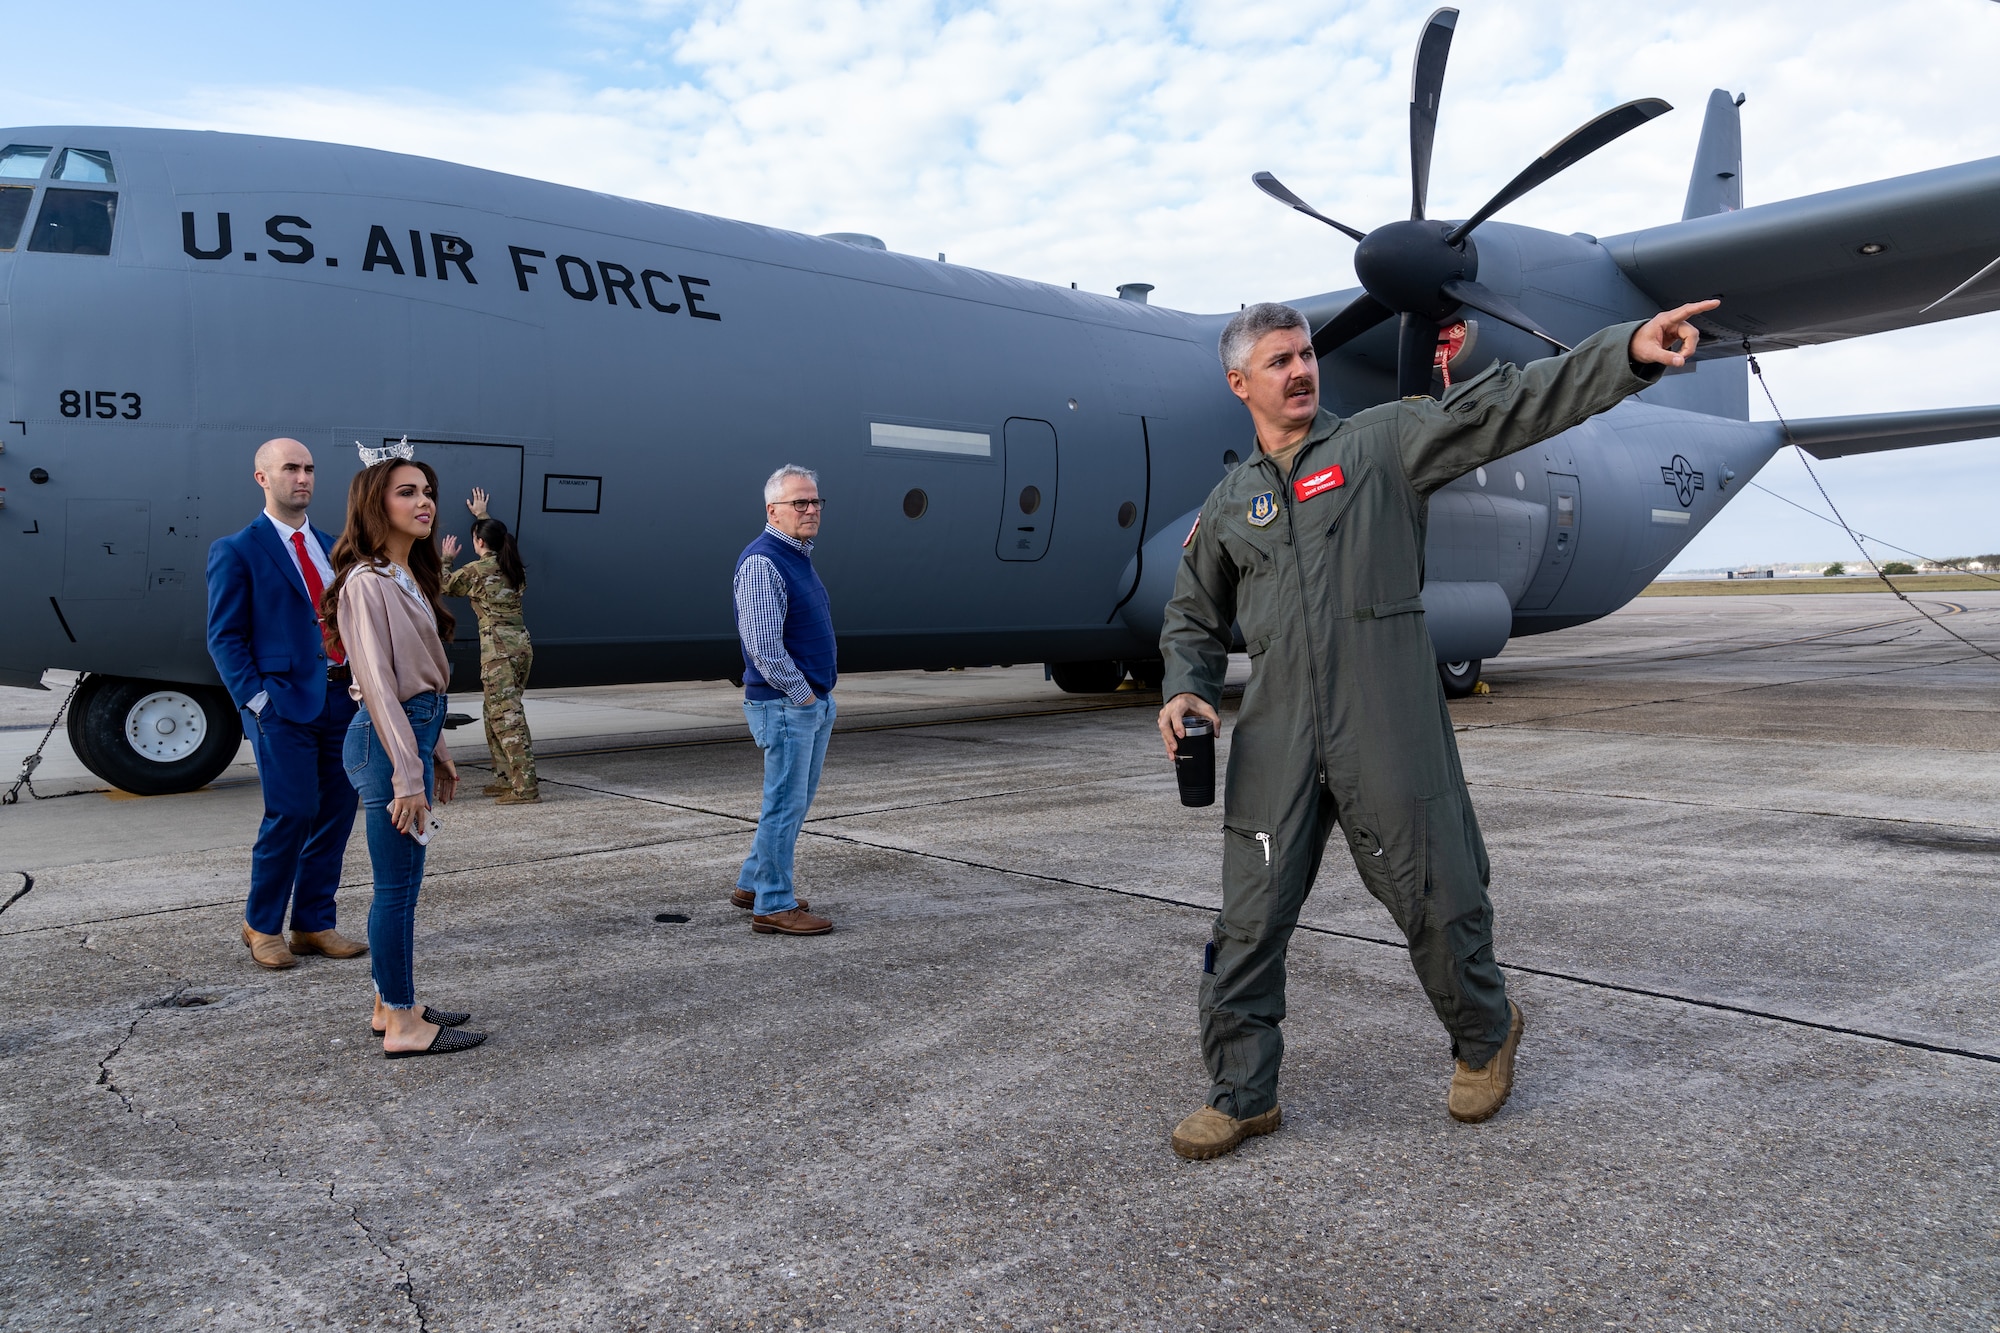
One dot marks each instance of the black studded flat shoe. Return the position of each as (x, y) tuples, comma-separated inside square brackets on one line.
[(448, 1041), (444, 1018)]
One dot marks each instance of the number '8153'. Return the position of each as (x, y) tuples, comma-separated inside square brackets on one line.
[(100, 403)]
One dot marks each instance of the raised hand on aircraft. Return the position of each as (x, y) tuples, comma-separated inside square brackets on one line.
[(477, 504), (1668, 339), (449, 548)]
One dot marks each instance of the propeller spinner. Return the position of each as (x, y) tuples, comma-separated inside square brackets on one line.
[(1424, 271)]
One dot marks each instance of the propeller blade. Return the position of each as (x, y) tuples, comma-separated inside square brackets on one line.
[(1487, 301), (1969, 282), (1274, 187), (1361, 314), (1416, 356), (1426, 82), (1580, 144)]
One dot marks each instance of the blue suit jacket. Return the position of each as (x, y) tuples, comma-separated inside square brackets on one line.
[(262, 629)]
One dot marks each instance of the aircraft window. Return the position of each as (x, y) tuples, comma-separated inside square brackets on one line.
[(74, 222), (1230, 458), (1031, 499), (915, 503), (20, 161), (923, 439), (92, 166), (1128, 514), (13, 211)]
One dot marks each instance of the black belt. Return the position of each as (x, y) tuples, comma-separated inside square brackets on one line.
[(340, 672)]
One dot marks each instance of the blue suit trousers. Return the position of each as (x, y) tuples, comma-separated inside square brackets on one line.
[(308, 813)]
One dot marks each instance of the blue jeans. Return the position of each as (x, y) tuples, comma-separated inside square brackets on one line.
[(794, 741), (397, 858)]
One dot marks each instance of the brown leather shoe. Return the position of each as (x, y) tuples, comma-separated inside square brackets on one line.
[(747, 900), (329, 942), (1477, 1093), (268, 950), (797, 921), (498, 787), (1209, 1133)]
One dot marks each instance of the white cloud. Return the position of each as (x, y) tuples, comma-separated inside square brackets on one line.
[(1111, 143)]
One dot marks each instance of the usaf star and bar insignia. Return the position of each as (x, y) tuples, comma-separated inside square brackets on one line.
[(1264, 509)]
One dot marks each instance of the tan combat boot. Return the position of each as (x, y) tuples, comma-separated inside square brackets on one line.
[(268, 950), (497, 787), (329, 942), (1477, 1093), (1209, 1133)]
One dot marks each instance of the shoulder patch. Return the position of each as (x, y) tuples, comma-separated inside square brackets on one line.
[(1263, 510), (1305, 488)]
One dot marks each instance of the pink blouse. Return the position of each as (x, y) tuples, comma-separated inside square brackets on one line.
[(392, 644)]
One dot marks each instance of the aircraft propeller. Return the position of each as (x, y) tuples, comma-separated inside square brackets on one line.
[(1425, 271)]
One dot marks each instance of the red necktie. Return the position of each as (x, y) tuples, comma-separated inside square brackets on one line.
[(318, 590)]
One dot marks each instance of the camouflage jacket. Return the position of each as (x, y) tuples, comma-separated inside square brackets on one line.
[(496, 602)]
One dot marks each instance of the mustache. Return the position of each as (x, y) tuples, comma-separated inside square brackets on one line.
[(1299, 385)]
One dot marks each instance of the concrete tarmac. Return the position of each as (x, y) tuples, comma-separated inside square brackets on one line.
[(1744, 855)]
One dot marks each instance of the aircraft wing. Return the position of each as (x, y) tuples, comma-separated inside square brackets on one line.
[(1829, 266), (1837, 437)]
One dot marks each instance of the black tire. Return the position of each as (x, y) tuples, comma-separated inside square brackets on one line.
[(114, 716), (1148, 674), (1087, 677), (1459, 677)]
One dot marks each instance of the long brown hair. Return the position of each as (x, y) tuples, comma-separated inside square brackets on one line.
[(365, 541)]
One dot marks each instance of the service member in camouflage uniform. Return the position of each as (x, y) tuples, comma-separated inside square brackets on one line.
[(494, 583), (1315, 548)]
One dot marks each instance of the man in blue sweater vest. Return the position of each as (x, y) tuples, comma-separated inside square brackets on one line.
[(786, 627)]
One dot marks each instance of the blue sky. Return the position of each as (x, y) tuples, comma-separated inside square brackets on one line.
[(1109, 143)]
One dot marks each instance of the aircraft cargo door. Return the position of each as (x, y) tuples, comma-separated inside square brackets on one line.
[(1028, 497), (1559, 547)]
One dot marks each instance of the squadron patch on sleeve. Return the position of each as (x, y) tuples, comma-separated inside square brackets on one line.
[(1263, 509)]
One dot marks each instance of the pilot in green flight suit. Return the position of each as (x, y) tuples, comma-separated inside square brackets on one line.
[(1315, 548)]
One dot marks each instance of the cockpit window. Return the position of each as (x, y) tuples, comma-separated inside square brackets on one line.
[(13, 211), (21, 161), (74, 222), (91, 166)]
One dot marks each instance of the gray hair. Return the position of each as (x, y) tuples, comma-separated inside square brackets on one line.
[(775, 487), (1252, 323)]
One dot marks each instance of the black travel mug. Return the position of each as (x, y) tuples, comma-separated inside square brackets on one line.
[(1194, 762)]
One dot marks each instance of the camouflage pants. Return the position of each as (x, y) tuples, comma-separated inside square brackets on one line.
[(503, 675)]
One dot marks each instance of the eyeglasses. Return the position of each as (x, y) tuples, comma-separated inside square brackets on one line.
[(803, 506)]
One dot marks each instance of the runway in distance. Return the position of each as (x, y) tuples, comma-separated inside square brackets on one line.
[(1011, 466)]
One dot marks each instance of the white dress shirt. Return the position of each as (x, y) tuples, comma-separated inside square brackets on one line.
[(320, 564)]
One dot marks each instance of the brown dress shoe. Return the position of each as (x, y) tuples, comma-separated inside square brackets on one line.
[(797, 921), (329, 942), (499, 787), (268, 950), (747, 900), (1209, 1133), (1477, 1093)]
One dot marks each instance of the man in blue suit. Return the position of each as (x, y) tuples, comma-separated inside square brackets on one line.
[(264, 632)]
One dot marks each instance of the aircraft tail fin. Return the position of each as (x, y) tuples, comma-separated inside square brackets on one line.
[(1837, 437), (1716, 186)]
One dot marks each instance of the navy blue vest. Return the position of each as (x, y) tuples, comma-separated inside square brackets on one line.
[(808, 620)]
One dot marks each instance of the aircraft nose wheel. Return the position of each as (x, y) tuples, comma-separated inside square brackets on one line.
[(150, 738), (1459, 677)]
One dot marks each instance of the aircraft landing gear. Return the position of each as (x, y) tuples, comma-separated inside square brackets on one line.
[(1459, 677), (152, 738), (1087, 677)]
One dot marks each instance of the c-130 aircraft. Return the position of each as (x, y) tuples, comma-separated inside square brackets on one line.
[(1013, 466)]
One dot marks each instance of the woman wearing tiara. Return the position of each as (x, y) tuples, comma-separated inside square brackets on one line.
[(384, 610), (494, 583)]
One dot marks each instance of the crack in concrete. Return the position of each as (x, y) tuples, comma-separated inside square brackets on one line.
[(27, 887), (406, 1286)]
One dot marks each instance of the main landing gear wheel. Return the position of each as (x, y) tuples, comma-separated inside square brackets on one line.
[(1087, 677), (150, 738), (1459, 677)]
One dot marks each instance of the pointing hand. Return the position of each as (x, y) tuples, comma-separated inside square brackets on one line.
[(1667, 339), (477, 504)]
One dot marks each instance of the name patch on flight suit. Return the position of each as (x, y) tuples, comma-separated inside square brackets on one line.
[(1264, 509), (1318, 483)]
